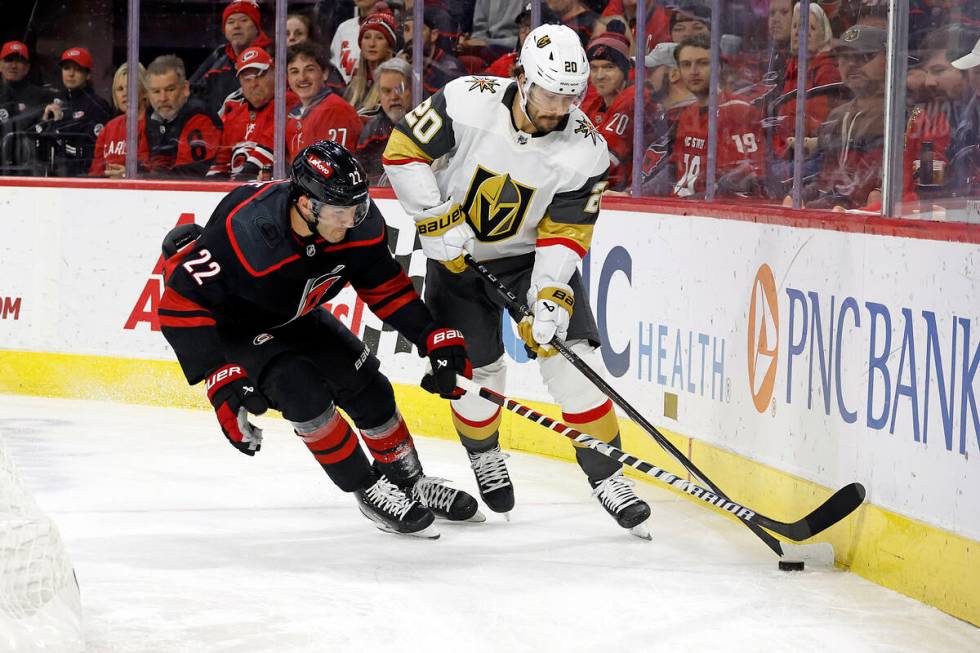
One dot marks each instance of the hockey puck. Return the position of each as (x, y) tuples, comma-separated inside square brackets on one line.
[(790, 565)]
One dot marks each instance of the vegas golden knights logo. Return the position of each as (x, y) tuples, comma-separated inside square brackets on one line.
[(496, 205)]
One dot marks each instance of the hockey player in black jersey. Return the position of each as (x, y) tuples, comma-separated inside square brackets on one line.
[(241, 311)]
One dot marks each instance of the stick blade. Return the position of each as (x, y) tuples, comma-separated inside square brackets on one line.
[(844, 501)]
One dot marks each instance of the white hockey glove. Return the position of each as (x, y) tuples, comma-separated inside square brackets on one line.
[(552, 309), (444, 235)]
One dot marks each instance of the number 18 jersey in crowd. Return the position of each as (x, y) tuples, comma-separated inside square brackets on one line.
[(519, 191)]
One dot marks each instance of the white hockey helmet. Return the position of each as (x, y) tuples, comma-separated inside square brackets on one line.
[(553, 59)]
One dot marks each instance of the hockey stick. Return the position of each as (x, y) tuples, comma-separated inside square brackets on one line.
[(606, 389), (831, 511)]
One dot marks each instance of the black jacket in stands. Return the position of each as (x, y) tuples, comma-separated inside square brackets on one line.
[(21, 104), (72, 138), (248, 273), (183, 147)]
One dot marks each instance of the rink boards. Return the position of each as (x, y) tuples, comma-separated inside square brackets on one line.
[(786, 359)]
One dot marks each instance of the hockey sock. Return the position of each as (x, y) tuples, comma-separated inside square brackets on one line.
[(601, 423), (478, 436), (394, 451), (333, 444)]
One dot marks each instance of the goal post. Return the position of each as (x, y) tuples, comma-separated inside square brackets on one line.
[(40, 606)]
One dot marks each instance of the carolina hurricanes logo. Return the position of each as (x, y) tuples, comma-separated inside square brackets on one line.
[(73, 53), (763, 345), (320, 165), (248, 56)]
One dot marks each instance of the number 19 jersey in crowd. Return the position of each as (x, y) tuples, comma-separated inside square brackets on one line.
[(519, 191)]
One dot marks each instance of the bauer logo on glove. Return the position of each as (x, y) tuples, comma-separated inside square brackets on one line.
[(445, 235), (551, 308), (233, 396)]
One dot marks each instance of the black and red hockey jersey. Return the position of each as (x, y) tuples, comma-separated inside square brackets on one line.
[(248, 274)]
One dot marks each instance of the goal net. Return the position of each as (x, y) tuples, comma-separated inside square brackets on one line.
[(39, 601)]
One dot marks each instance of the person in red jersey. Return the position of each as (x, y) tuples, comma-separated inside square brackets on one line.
[(739, 153), (242, 311), (110, 146), (321, 114), (245, 153), (182, 136)]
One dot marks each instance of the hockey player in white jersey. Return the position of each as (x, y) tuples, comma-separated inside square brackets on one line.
[(512, 172)]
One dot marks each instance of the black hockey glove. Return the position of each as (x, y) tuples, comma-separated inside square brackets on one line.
[(234, 396), (446, 350)]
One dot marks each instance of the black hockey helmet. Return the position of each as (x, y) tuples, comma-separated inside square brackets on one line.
[(329, 174)]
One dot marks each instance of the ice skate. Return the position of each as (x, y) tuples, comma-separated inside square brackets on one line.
[(616, 495), (492, 479), (393, 512), (444, 501)]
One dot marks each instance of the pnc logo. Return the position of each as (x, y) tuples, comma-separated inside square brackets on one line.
[(320, 165), (763, 345)]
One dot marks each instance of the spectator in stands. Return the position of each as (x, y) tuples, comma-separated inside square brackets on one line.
[(609, 69), (504, 65), (378, 41), (576, 15), (73, 120), (657, 28), (850, 143), (215, 79), (299, 28), (345, 47), (322, 114), (664, 79), (690, 18), (821, 71), (929, 131), (669, 93), (182, 135), (438, 66), (110, 146), (395, 91), (246, 152), (780, 22), (21, 102), (964, 173), (494, 28), (739, 153)]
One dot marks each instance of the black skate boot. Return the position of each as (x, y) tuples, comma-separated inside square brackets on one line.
[(444, 501), (492, 478), (393, 512), (616, 495)]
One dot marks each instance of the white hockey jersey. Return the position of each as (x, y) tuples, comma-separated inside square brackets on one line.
[(519, 191)]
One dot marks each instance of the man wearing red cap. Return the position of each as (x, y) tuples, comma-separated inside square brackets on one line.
[(72, 122), (245, 153), (215, 79), (21, 102), (344, 49)]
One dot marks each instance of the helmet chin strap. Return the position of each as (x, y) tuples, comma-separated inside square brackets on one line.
[(307, 240)]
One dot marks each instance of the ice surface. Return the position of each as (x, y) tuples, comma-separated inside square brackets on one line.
[(182, 544)]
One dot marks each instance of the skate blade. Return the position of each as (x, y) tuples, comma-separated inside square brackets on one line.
[(428, 533), (641, 531), (506, 515), (477, 518)]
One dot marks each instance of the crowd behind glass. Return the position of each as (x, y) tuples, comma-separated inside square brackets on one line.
[(349, 78)]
